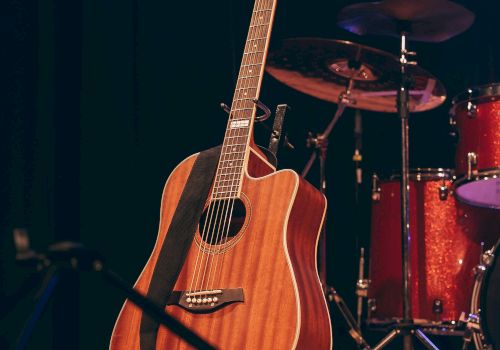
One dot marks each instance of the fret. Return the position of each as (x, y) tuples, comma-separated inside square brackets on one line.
[(222, 188), (233, 147), (230, 163), (241, 154), (259, 25), (236, 137), (229, 174), (229, 167), (265, 10), (226, 183), (243, 99), (250, 65), (233, 189), (241, 109), (224, 196)]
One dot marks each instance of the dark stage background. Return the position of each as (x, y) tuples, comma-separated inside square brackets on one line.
[(101, 99)]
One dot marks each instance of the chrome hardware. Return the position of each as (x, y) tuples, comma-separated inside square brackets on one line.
[(375, 188), (372, 306), (471, 110), (443, 192), (225, 107), (437, 308), (264, 108), (471, 164), (362, 287), (453, 127), (487, 258), (472, 322)]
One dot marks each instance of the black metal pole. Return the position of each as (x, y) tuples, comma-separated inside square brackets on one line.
[(403, 110)]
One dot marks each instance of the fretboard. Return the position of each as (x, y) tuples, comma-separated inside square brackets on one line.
[(236, 145)]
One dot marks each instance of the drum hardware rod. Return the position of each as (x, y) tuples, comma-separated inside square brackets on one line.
[(361, 287), (354, 329), (472, 327), (403, 97), (320, 145)]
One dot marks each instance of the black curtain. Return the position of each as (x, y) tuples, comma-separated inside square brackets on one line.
[(102, 99)]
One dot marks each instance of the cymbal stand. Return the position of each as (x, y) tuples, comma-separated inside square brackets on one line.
[(320, 144), (406, 327)]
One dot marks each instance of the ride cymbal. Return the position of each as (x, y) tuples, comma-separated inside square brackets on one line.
[(325, 68)]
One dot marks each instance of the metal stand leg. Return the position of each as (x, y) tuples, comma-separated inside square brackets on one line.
[(387, 339), (424, 340), (354, 330)]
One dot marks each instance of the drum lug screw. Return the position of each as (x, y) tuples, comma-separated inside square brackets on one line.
[(471, 110), (372, 306), (437, 308), (443, 192), (375, 188), (471, 164)]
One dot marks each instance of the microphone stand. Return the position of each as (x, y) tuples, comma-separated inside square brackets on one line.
[(71, 257)]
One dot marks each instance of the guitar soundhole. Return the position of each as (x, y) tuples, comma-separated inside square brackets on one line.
[(214, 228)]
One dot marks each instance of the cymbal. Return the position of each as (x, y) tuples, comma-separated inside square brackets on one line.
[(422, 20), (324, 68)]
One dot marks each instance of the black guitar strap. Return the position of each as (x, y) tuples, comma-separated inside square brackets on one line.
[(179, 238)]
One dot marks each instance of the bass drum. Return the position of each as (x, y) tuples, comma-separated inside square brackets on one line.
[(486, 301)]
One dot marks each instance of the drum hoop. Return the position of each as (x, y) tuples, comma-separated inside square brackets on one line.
[(483, 174), (482, 282), (489, 173), (422, 174), (487, 92)]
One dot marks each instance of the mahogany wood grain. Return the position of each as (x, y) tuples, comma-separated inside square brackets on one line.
[(274, 261)]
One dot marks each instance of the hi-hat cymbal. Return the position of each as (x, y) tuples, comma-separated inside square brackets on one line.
[(422, 20), (324, 68)]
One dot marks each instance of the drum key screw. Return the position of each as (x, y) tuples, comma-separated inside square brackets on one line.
[(471, 110), (471, 164), (437, 308), (375, 188), (443, 192)]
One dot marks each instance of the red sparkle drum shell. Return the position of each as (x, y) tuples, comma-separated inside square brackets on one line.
[(445, 247), (476, 117)]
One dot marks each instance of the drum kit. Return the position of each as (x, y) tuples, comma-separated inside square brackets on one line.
[(429, 270)]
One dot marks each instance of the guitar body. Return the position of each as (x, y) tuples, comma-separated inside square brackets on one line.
[(272, 258)]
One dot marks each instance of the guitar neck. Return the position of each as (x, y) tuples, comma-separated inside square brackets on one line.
[(236, 146)]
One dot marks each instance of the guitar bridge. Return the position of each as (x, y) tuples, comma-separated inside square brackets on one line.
[(204, 301)]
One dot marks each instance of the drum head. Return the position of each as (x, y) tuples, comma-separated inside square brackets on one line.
[(478, 94), (483, 192), (490, 304)]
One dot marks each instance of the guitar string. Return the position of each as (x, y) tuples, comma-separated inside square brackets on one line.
[(224, 222), (208, 219), (210, 224), (262, 22), (223, 226)]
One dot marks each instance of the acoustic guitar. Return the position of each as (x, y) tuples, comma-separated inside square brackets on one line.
[(249, 277)]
